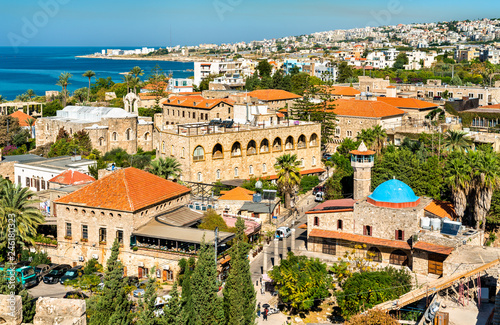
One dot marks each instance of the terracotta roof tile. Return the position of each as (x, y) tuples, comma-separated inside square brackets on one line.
[(196, 102), (433, 248), (491, 106), (442, 209), (332, 204), (128, 189), (362, 153), (365, 108), (272, 94), (238, 194), (342, 91), (21, 117), (411, 103), (72, 177), (359, 238), (153, 86)]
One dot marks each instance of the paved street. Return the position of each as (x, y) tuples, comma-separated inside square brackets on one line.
[(56, 290)]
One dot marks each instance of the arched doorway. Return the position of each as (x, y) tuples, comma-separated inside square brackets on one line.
[(398, 257), (374, 254)]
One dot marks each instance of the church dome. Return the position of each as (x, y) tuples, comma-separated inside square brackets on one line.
[(394, 194)]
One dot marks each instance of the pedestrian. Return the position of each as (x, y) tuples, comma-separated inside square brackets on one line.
[(265, 313), (258, 310)]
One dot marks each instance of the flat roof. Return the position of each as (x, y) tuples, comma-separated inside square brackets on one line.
[(157, 229), (180, 217), (22, 159), (60, 163)]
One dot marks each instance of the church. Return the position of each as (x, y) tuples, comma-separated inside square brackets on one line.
[(389, 226)]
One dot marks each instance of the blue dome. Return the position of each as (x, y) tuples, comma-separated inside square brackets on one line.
[(393, 191)]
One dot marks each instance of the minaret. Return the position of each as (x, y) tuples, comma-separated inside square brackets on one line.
[(362, 163)]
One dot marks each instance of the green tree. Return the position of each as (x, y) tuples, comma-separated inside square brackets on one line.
[(63, 81), (401, 61), (88, 74), (172, 310), (345, 72), (302, 282), (456, 81), (212, 220), (94, 169), (372, 317), (239, 292), (207, 306), (112, 305), (158, 81), (288, 172), (458, 177), (166, 167), (299, 83), (136, 71), (119, 156), (30, 93), (147, 305), (264, 68)]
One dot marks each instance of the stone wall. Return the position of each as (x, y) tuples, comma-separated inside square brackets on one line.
[(182, 115), (7, 170), (223, 167), (212, 94), (329, 221), (420, 262), (11, 310)]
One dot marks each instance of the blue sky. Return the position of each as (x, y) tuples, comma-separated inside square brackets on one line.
[(189, 22)]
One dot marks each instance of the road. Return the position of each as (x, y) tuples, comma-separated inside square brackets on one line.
[(56, 290)]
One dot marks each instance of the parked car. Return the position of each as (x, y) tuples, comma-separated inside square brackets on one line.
[(318, 189), (25, 275), (141, 289), (132, 280), (283, 232), (319, 197), (75, 295), (72, 274), (55, 274), (41, 270)]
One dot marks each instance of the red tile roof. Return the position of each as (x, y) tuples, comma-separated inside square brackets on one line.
[(341, 203), (365, 108), (196, 102), (442, 209), (343, 91), (272, 94), (410, 103), (362, 153), (359, 238), (433, 248), (491, 106), (155, 86), (238, 194), (128, 189), (72, 177), (22, 117)]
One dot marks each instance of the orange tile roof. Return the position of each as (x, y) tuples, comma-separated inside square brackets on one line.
[(280, 115), (342, 91), (362, 153), (433, 248), (238, 194), (491, 106), (273, 94), (359, 238), (21, 117), (153, 86), (128, 189), (72, 177), (442, 209), (196, 102), (407, 103), (365, 108)]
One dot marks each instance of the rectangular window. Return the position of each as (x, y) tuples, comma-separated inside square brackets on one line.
[(367, 230), (43, 184), (183, 114), (102, 235), (471, 95), (68, 229), (119, 236), (480, 96), (340, 224), (18, 179), (85, 232), (400, 235), (194, 115)]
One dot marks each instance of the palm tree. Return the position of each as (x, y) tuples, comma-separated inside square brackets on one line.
[(89, 74), (2, 99), (366, 136), (456, 141), (15, 201), (379, 136), (458, 176), (64, 82), (128, 80), (31, 122), (134, 83), (166, 167), (137, 71), (30, 93), (287, 168)]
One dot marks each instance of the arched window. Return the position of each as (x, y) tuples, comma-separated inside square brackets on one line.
[(374, 254), (128, 134), (301, 142), (101, 141), (277, 144), (264, 168), (199, 153), (217, 174), (146, 136), (235, 171), (200, 177), (236, 149), (114, 136), (217, 151), (264, 146), (313, 141), (289, 143), (316, 221), (250, 170), (251, 148), (398, 257), (314, 161)]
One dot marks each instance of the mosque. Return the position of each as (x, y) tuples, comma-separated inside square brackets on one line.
[(390, 226)]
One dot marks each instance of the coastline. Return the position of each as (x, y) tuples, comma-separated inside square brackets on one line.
[(135, 58)]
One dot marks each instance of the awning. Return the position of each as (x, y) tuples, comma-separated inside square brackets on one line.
[(433, 248), (359, 238)]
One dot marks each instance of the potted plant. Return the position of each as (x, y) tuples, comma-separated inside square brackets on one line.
[(68, 237), (85, 240)]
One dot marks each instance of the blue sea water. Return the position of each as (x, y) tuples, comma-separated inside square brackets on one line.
[(38, 68)]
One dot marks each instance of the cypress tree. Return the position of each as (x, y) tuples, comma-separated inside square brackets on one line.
[(172, 311), (112, 305), (239, 292), (147, 305), (187, 311), (207, 306)]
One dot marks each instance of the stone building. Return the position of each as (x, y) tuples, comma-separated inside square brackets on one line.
[(144, 212), (192, 109), (108, 128), (7, 164), (275, 98), (391, 225), (209, 153)]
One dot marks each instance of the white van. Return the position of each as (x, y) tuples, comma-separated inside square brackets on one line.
[(319, 197)]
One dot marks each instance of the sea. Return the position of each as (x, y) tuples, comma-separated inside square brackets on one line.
[(38, 68)]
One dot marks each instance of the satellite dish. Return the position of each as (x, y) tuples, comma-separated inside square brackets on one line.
[(258, 184)]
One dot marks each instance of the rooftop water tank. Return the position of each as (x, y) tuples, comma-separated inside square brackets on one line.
[(436, 224), (257, 198), (425, 222)]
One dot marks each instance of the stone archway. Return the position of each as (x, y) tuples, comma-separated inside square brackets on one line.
[(131, 103)]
